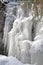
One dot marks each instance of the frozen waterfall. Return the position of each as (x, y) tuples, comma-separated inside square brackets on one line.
[(18, 39), (19, 30), (10, 17)]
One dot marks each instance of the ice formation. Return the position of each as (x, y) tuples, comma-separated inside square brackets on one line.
[(10, 17), (37, 52), (18, 35), (18, 40), (37, 46)]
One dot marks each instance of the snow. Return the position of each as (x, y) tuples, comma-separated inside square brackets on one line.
[(10, 61)]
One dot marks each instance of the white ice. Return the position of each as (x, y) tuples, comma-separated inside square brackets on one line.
[(10, 61)]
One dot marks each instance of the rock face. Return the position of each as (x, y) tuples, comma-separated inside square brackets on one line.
[(1, 26)]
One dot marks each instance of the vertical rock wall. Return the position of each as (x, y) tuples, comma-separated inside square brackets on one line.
[(1, 26)]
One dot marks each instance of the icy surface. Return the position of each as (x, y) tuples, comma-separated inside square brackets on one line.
[(37, 52), (10, 17), (10, 61), (19, 40)]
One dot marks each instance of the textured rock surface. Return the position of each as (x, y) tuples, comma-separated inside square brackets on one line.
[(1, 27)]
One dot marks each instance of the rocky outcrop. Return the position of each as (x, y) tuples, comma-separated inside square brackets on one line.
[(1, 26)]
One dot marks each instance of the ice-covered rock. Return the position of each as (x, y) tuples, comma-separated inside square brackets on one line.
[(10, 17), (24, 51), (38, 37), (37, 52), (39, 26)]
